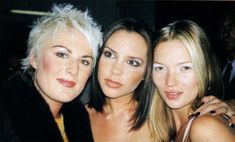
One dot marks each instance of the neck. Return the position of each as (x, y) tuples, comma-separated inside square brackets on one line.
[(119, 105), (181, 117)]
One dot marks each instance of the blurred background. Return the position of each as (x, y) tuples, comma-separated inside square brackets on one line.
[(15, 26)]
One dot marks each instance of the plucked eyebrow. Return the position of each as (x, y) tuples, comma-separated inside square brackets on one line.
[(61, 46), (131, 57), (87, 56), (186, 62), (156, 62), (111, 49), (181, 63)]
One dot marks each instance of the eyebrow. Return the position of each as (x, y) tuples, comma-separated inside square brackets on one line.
[(157, 63), (110, 49), (61, 46), (87, 56), (129, 56), (186, 62)]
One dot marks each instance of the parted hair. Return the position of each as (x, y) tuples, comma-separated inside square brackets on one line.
[(143, 93), (205, 67)]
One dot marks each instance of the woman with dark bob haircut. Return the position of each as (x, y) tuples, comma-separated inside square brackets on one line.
[(122, 89)]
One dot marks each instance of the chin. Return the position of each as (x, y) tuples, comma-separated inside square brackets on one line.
[(174, 105), (66, 100)]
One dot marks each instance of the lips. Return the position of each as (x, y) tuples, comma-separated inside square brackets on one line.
[(112, 84), (66, 83), (172, 95)]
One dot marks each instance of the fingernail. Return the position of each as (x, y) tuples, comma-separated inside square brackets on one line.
[(212, 112), (202, 103), (191, 116), (227, 117), (194, 115), (197, 114), (232, 125)]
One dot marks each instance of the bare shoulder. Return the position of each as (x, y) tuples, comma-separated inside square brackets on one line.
[(211, 128)]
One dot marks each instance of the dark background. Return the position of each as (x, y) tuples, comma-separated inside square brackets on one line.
[(14, 28)]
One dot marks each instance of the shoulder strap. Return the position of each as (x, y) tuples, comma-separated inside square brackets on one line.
[(187, 129)]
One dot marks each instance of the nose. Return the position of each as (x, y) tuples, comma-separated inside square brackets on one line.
[(117, 68), (225, 33), (171, 79), (73, 68)]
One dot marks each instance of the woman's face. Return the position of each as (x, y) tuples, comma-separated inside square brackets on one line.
[(173, 74), (122, 64), (63, 66)]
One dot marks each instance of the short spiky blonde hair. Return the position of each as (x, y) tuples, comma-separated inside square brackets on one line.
[(62, 17)]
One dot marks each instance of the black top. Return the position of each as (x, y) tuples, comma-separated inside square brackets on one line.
[(26, 117)]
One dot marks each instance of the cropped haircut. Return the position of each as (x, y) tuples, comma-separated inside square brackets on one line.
[(62, 17), (143, 93), (205, 67)]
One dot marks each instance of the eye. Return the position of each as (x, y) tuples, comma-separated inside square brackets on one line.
[(86, 61), (61, 54), (158, 68), (108, 54), (133, 63), (186, 68)]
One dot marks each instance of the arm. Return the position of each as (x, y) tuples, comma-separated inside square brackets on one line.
[(211, 129)]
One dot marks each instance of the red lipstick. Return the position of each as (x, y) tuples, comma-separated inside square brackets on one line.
[(66, 83), (112, 84)]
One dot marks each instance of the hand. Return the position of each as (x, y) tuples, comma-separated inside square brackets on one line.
[(216, 106)]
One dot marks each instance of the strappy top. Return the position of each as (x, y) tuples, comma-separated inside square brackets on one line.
[(187, 129)]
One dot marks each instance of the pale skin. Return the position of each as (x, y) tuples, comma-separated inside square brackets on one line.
[(65, 63), (121, 69), (178, 88)]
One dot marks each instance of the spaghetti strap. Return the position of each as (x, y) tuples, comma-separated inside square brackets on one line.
[(187, 129)]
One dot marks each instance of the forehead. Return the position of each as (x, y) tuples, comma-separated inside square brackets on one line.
[(127, 42), (69, 38), (229, 20), (172, 50)]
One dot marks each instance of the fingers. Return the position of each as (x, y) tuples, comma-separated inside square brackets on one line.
[(209, 98), (213, 107)]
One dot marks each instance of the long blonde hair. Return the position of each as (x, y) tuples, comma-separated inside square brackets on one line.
[(207, 72)]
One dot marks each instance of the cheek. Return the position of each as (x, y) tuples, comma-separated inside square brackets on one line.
[(102, 68), (134, 77), (191, 83), (82, 79), (85, 75), (158, 80), (47, 64), (233, 34)]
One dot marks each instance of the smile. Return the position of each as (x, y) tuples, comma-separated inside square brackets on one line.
[(172, 95), (66, 83), (112, 84)]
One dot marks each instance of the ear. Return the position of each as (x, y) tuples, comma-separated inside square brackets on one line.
[(33, 61)]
